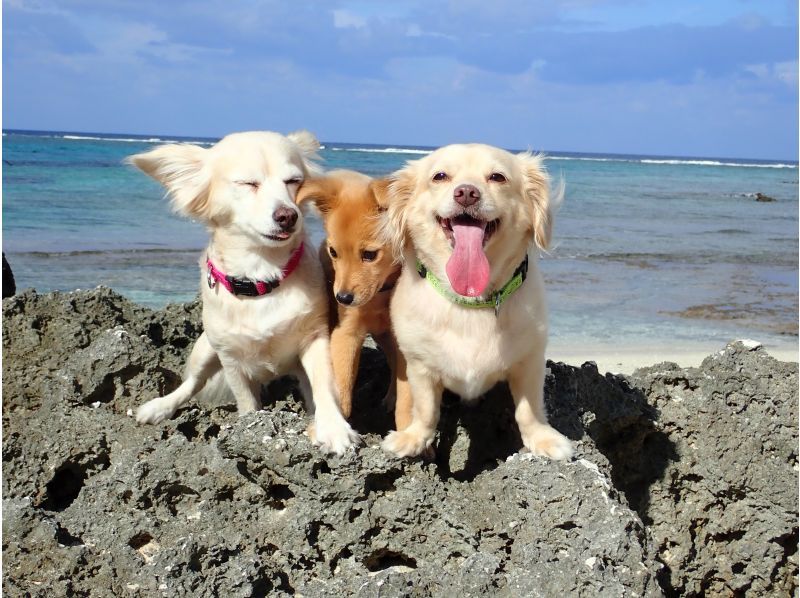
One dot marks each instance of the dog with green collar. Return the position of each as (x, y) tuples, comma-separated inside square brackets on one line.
[(467, 223), (496, 298)]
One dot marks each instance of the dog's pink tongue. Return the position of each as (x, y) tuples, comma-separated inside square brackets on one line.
[(468, 269)]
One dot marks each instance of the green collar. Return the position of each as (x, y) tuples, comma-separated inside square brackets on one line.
[(496, 299)]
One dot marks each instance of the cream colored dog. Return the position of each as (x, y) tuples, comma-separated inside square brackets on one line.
[(265, 312), (469, 307)]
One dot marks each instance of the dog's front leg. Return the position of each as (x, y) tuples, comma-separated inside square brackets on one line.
[(418, 436), (246, 390), (398, 397), (345, 355), (404, 405), (526, 381), (330, 431), (203, 363)]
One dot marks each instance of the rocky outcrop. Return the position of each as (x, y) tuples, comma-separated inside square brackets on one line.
[(724, 513), (684, 481)]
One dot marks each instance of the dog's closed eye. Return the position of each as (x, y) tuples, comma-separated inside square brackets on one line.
[(293, 181), (254, 185)]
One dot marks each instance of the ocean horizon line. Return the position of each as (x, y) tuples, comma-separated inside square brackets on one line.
[(665, 159)]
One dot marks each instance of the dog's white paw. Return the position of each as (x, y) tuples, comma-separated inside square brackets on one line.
[(407, 443), (155, 411), (333, 435), (546, 441)]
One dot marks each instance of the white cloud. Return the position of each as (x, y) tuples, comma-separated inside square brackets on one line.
[(414, 30), (344, 19), (34, 6), (787, 72), (781, 72)]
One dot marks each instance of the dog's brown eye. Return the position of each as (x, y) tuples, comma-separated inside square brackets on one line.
[(369, 256), (440, 176), (332, 251), (496, 177)]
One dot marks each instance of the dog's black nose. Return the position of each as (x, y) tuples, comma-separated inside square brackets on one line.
[(466, 195), (344, 298), (285, 217)]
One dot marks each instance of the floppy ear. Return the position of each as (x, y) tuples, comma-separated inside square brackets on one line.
[(306, 141), (320, 191), (308, 145), (182, 169), (536, 187), (380, 189), (395, 194)]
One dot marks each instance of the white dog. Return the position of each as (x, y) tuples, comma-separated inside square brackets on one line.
[(264, 303), (469, 307)]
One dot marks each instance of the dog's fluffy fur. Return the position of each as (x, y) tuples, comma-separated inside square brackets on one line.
[(236, 188), (358, 265), (468, 350)]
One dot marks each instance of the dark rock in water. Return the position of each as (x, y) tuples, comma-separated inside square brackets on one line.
[(684, 481), (764, 198), (9, 285)]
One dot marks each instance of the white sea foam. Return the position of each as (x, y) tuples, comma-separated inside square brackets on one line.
[(131, 139), (586, 159), (382, 150), (127, 139), (713, 163), (672, 161)]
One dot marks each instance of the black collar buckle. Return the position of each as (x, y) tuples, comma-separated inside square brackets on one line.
[(243, 286)]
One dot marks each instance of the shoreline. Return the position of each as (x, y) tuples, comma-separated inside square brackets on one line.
[(625, 360), (613, 357)]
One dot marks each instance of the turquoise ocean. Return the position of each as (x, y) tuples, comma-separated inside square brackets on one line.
[(648, 250)]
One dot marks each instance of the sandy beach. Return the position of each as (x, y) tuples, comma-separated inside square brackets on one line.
[(625, 360)]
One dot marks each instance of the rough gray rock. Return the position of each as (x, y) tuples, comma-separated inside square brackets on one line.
[(724, 514), (210, 503)]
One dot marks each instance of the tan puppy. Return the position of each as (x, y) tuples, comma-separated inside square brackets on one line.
[(361, 274), (469, 308), (265, 311)]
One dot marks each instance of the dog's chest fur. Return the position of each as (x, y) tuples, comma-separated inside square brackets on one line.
[(469, 349), (263, 335)]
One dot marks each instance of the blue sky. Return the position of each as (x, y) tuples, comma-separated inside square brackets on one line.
[(712, 78)]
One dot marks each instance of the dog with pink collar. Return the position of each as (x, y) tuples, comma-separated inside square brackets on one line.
[(265, 312)]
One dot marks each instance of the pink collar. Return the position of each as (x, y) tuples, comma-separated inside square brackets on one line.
[(252, 288)]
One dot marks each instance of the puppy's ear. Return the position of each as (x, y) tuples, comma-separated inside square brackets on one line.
[(395, 195), (536, 187), (320, 191), (184, 172), (380, 189)]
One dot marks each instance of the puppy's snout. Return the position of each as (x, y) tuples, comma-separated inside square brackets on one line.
[(344, 297), (285, 217), (466, 195)]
